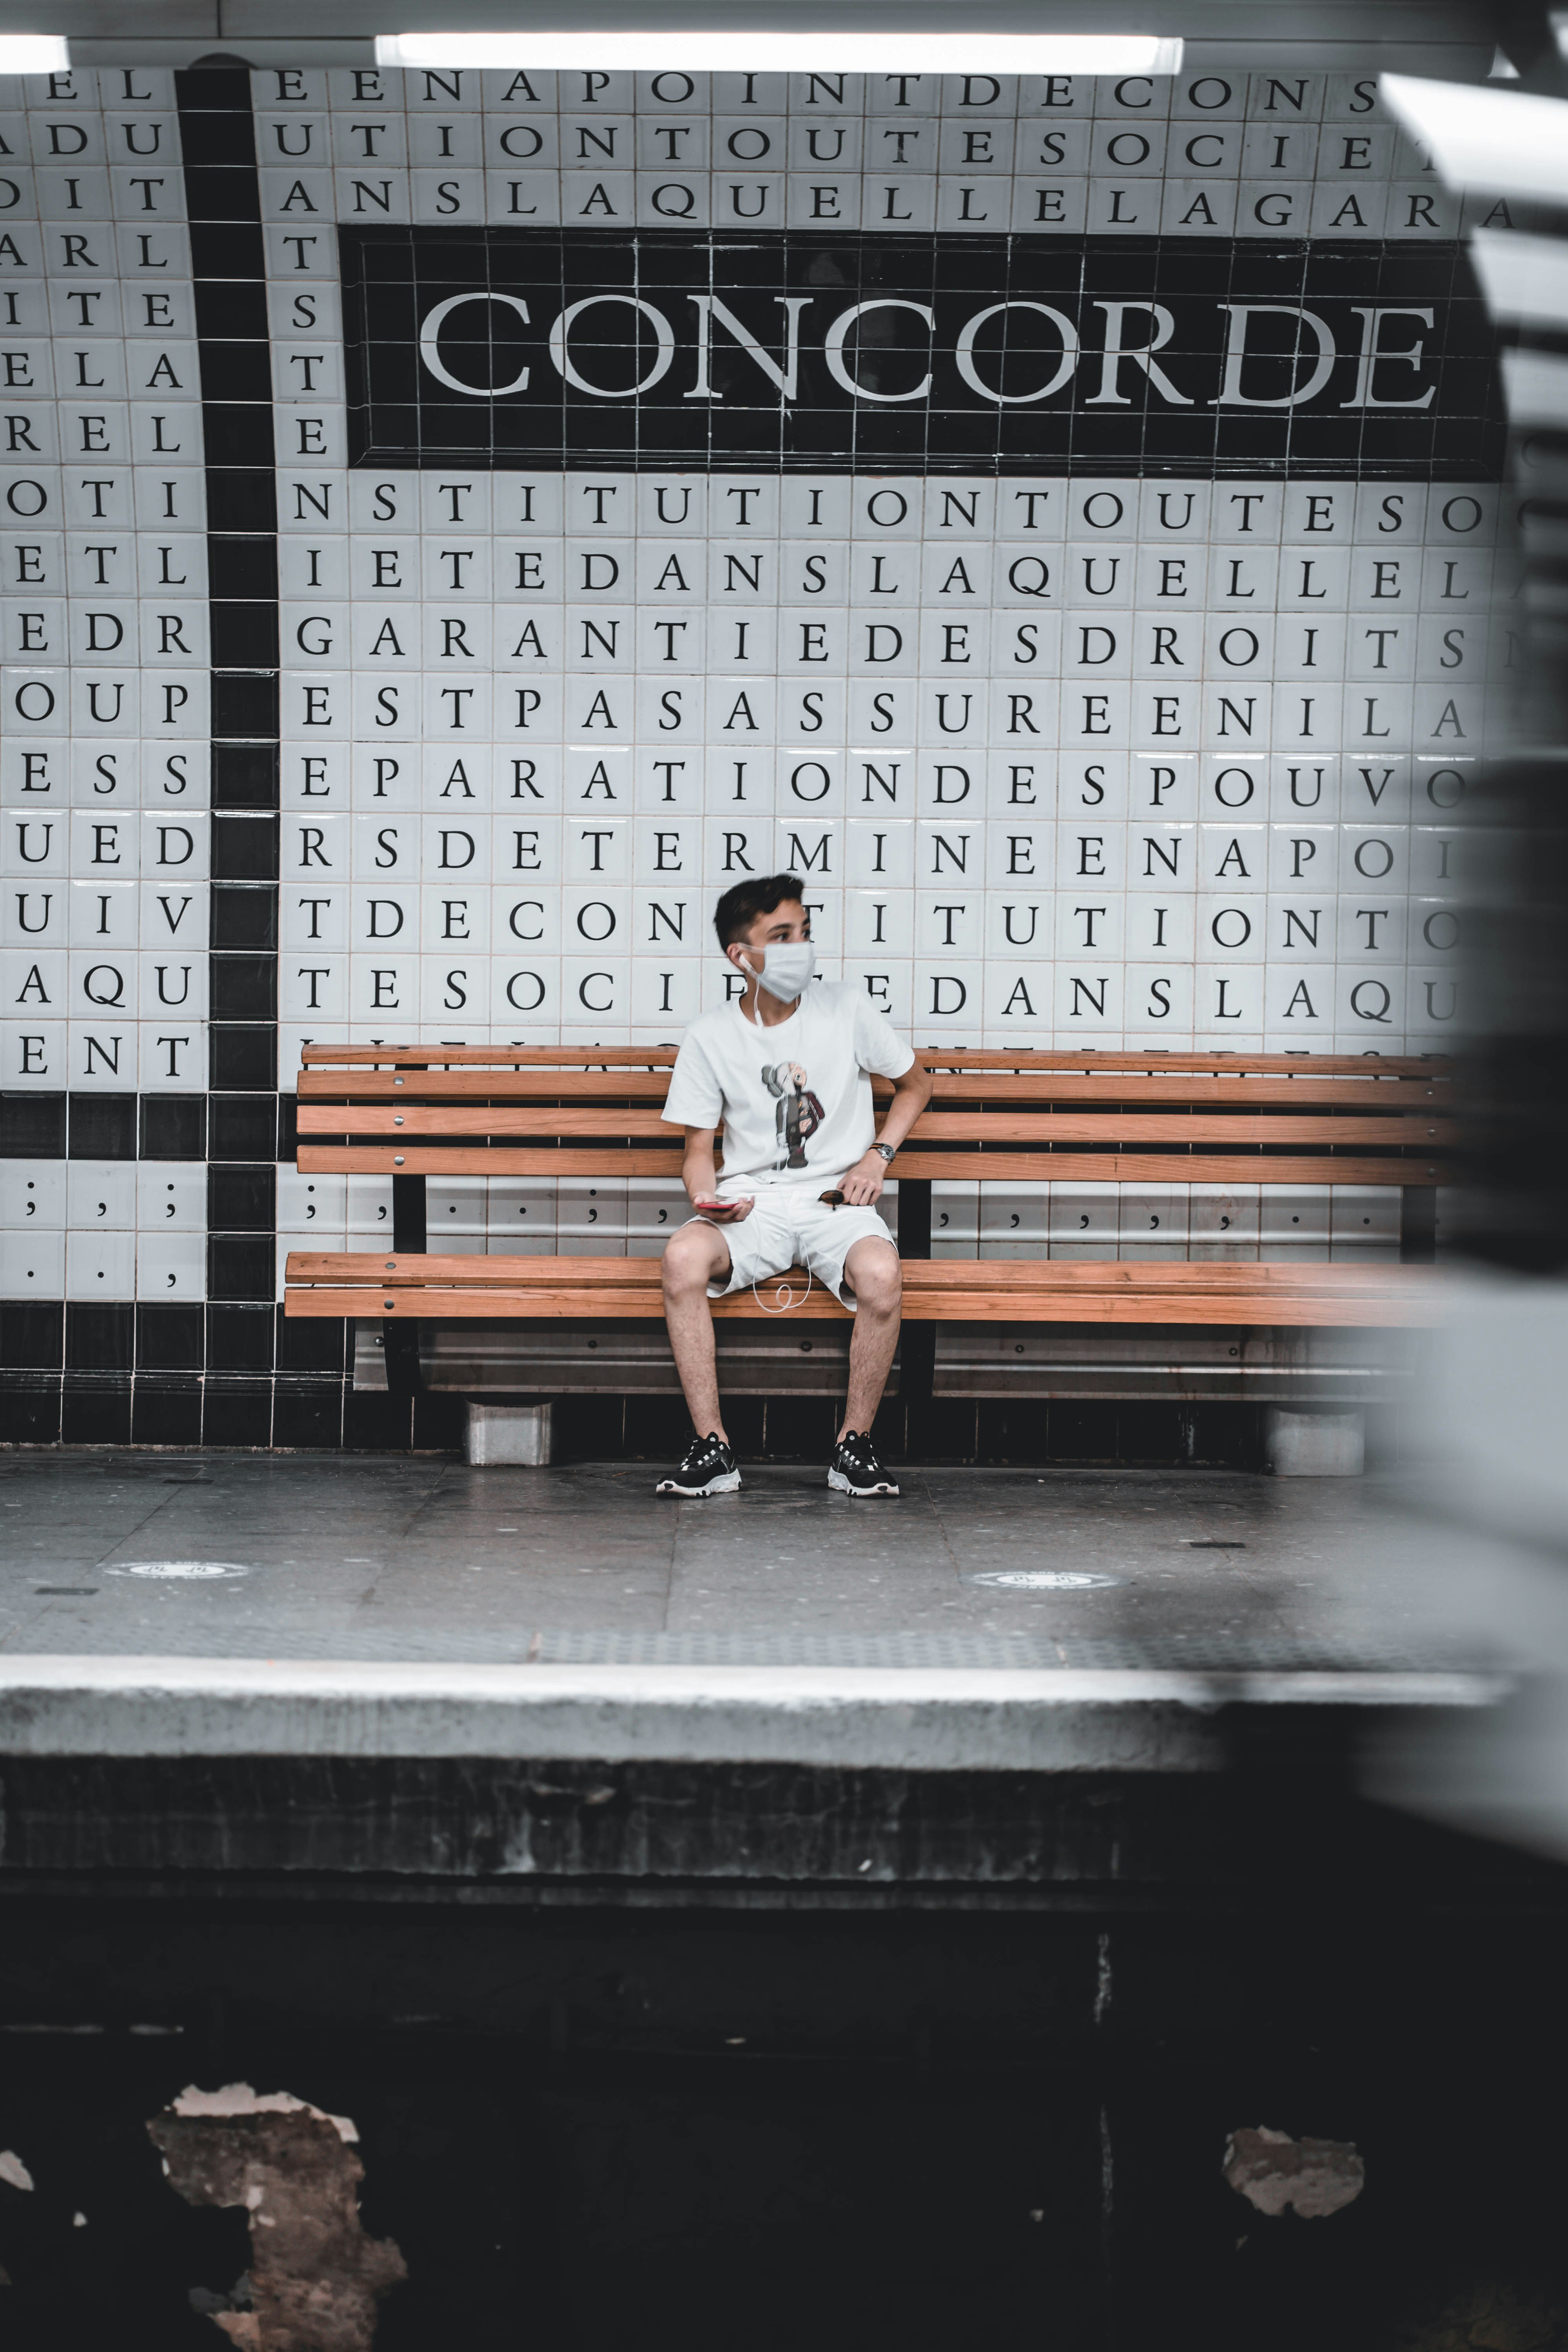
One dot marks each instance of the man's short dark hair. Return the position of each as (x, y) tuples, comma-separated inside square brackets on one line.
[(738, 909)]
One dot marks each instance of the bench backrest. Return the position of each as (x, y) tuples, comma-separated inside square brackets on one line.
[(414, 1111)]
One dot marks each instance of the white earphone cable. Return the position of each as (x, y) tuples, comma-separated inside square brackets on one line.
[(790, 1301)]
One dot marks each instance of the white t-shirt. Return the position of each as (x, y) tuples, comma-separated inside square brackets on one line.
[(794, 1099)]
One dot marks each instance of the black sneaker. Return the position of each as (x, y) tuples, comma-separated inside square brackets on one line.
[(707, 1467), (855, 1469)]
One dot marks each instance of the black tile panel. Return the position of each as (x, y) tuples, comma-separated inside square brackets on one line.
[(231, 309), (244, 916), (32, 1126), (205, 94), (228, 249), (239, 1338), (223, 191), (244, 987), (95, 1411), (235, 371), (237, 1412), (170, 1339), (30, 1410), (101, 1126), (245, 848), (241, 1126), (99, 1339), (165, 1411), (307, 1413), (241, 1200), (237, 433), (32, 1334), (242, 498), (243, 1057), (245, 776), (245, 705), (241, 1266), (306, 1344), (244, 567), (244, 635), (174, 1127)]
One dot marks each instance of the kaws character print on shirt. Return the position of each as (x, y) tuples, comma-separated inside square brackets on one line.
[(799, 1113)]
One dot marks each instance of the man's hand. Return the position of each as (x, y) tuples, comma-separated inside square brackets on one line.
[(700, 1177), (863, 1184), (725, 1213)]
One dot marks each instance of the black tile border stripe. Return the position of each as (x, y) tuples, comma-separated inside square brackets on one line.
[(223, 203)]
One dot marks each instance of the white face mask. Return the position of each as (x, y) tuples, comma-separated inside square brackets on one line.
[(786, 969)]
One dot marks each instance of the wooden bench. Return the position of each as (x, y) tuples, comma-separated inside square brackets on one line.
[(976, 1325)]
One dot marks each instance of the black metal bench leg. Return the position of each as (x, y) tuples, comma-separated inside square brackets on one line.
[(400, 1341), (400, 1352), (916, 1341), (1418, 1224), (408, 1214)]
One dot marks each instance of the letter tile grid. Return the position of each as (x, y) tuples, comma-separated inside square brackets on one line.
[(1098, 698)]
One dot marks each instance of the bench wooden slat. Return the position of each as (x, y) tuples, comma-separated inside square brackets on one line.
[(1242, 1128), (560, 1057), (485, 1086), (1328, 1310), (1200, 1090), (977, 1127), (991, 1167), (403, 1268), (978, 1307), (479, 1160), (1182, 1127), (499, 1119), (1032, 1061)]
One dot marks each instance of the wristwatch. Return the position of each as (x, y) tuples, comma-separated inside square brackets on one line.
[(887, 1149)]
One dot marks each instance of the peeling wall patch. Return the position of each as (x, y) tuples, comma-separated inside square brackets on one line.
[(239, 2099), (1272, 2170), (315, 2278), (13, 2171)]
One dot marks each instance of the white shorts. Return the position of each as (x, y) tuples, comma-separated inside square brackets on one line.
[(784, 1230)]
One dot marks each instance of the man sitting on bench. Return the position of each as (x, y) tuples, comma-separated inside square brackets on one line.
[(787, 1068)]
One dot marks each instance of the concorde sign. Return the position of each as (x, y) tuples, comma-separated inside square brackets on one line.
[(558, 348)]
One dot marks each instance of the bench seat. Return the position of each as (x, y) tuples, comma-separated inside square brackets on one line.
[(980, 1290)]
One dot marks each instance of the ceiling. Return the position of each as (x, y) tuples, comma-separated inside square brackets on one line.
[(1449, 38)]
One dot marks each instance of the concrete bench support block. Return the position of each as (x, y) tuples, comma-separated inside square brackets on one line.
[(1318, 1444), (520, 1434)]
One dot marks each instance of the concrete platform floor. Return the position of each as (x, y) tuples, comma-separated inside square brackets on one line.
[(356, 1557)]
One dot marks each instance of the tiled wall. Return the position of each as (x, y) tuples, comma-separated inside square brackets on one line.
[(453, 526)]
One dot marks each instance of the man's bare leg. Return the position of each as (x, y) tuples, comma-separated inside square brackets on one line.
[(695, 1257), (873, 1273)]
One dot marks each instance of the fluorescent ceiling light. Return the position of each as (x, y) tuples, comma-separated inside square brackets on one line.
[(703, 52), (1503, 140), (34, 53)]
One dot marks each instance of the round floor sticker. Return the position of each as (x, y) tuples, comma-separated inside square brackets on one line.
[(182, 1572), (1045, 1580)]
